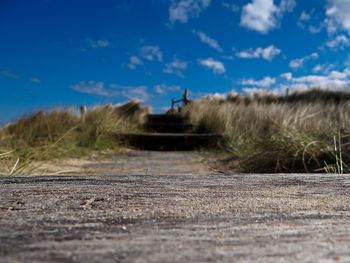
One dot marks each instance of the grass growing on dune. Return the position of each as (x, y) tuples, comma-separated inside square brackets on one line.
[(262, 132), (266, 133), (62, 133)]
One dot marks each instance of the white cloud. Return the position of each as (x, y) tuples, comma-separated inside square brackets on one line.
[(252, 91), (286, 6), (183, 10), (317, 68), (266, 53), (304, 22), (347, 62), (338, 15), (332, 80), (97, 43), (115, 86), (219, 96), (303, 17), (315, 30), (205, 39), (216, 66), (151, 53), (113, 90), (287, 75), (176, 67), (323, 68), (159, 89), (228, 57), (259, 15), (265, 82), (338, 75), (36, 80), (324, 81), (339, 42), (163, 89), (233, 7), (92, 87), (298, 62), (16, 76), (264, 15), (139, 92), (134, 61), (10, 74)]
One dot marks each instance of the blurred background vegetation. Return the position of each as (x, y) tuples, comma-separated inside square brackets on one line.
[(269, 133), (62, 133), (261, 132)]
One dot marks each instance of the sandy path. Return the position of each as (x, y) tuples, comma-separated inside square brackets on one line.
[(134, 162)]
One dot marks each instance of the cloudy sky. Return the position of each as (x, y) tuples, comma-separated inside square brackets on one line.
[(75, 52)]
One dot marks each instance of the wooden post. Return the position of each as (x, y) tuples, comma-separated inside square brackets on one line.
[(82, 113), (185, 98), (172, 105), (184, 101)]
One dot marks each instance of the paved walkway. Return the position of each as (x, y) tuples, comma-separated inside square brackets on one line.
[(173, 217)]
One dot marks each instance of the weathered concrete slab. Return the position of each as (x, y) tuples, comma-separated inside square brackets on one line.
[(175, 218)]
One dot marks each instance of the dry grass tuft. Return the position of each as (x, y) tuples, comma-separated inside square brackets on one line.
[(267, 133), (62, 133)]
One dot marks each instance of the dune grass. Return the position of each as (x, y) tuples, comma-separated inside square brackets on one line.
[(62, 133), (261, 132), (268, 133)]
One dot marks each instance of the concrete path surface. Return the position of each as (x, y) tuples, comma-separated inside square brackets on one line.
[(165, 217)]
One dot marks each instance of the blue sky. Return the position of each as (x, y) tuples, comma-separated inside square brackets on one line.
[(90, 52)]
